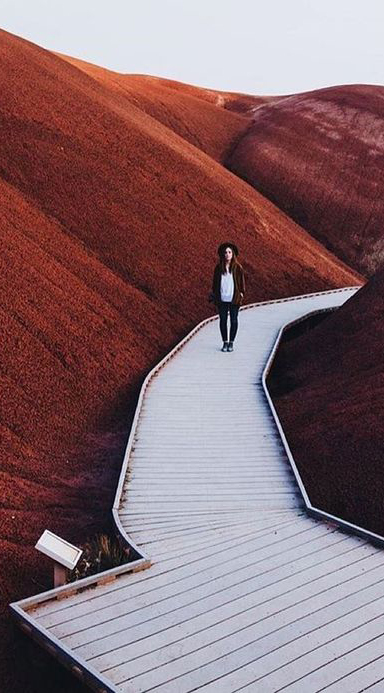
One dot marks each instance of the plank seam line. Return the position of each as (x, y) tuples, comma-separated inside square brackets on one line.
[(353, 649), (213, 609), (287, 608), (271, 615), (294, 659), (233, 569), (181, 565), (267, 635), (207, 555)]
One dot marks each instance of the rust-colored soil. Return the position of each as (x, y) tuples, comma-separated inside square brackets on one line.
[(328, 389), (176, 98), (319, 156), (111, 214)]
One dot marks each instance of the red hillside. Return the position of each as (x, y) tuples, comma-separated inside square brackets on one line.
[(319, 157)]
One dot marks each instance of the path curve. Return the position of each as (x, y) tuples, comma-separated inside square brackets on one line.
[(245, 591)]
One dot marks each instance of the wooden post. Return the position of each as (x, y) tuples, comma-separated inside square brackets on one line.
[(59, 574)]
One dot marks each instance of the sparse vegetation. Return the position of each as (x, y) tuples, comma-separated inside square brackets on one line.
[(101, 552)]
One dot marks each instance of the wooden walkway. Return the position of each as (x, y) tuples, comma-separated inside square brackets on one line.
[(246, 592)]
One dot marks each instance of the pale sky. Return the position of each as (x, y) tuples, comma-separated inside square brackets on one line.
[(251, 46)]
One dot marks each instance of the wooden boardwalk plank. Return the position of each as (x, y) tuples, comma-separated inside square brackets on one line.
[(247, 591), (267, 630)]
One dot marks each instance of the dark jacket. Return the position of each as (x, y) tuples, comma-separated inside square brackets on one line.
[(238, 280)]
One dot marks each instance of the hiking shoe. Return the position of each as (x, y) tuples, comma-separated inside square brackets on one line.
[(225, 346), (230, 346)]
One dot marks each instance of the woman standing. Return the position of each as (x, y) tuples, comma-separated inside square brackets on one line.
[(228, 289)]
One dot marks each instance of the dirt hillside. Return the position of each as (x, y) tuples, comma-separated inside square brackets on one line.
[(328, 387), (319, 157)]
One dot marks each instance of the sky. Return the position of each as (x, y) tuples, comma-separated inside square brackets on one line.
[(250, 46)]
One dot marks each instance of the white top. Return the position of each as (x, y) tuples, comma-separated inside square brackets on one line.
[(227, 286)]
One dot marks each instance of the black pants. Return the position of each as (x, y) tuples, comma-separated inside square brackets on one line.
[(223, 308)]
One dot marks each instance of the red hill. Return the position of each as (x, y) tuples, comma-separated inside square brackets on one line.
[(328, 387), (319, 157)]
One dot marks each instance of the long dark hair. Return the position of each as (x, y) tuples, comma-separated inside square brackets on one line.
[(232, 264)]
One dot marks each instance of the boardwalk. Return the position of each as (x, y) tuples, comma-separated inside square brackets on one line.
[(245, 592)]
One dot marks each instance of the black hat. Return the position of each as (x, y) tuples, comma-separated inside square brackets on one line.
[(223, 246)]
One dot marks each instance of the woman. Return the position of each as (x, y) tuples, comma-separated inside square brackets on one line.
[(228, 289)]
